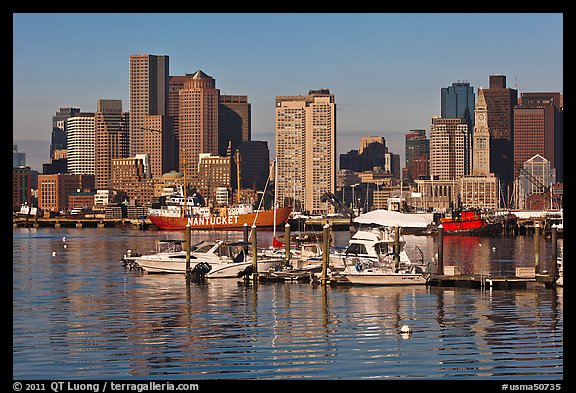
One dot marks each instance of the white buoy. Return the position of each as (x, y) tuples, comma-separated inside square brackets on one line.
[(493, 248), (65, 245), (479, 244), (405, 329), (64, 239), (53, 253)]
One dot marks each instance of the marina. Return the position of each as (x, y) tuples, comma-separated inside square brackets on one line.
[(101, 320)]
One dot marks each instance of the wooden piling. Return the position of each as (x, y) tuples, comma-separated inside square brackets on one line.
[(245, 228), (287, 245), (554, 257), (440, 267), (537, 248), (325, 252), (396, 247), (254, 254), (188, 247)]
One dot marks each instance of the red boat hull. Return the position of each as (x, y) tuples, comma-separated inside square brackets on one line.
[(263, 219)]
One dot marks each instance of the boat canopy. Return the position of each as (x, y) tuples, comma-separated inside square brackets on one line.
[(392, 218)]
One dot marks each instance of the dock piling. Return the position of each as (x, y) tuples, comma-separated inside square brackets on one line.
[(287, 245), (254, 254), (325, 252), (554, 257), (245, 229), (188, 247), (440, 267), (537, 247)]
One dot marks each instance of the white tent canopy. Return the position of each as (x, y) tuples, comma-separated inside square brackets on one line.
[(392, 218)]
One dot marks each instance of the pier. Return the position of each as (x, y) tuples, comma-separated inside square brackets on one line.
[(79, 222)]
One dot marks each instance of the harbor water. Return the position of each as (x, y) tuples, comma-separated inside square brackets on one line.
[(79, 313)]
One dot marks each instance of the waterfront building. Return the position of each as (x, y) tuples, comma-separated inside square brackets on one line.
[(111, 139), (478, 192), (306, 150), (80, 139), (198, 121), (254, 168), (21, 187), (213, 172), (533, 184), (417, 155), (58, 140), (54, 189), (436, 195), (129, 176), (458, 101), (234, 122), (448, 148), (500, 103), (538, 129), (81, 200)]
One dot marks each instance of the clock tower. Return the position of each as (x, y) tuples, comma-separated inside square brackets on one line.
[(481, 138)]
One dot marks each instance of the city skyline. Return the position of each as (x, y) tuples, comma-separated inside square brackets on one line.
[(385, 70)]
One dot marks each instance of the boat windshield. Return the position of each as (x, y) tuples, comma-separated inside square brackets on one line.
[(357, 249)]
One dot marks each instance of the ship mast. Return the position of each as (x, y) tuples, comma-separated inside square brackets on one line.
[(237, 159), (183, 212)]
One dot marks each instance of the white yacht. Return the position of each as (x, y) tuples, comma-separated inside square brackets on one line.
[(375, 257), (213, 259)]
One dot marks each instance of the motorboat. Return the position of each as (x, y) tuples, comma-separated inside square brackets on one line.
[(376, 256), (213, 259)]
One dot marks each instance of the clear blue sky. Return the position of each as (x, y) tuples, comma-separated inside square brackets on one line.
[(386, 70)]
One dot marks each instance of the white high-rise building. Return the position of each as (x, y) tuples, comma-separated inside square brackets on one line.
[(80, 142)]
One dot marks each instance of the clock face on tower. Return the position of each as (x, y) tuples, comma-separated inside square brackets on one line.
[(481, 117)]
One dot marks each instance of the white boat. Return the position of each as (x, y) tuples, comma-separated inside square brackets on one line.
[(375, 257), (560, 260), (213, 259)]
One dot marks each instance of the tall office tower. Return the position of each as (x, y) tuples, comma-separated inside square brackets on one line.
[(417, 147), (149, 77), (80, 142), (306, 149), (372, 152), (534, 131), (481, 139), (175, 84), (110, 139), (198, 120), (554, 111), (234, 122), (458, 101), (254, 164), (58, 139), (500, 103), (447, 148)]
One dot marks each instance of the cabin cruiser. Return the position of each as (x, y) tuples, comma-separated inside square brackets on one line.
[(213, 259), (376, 256)]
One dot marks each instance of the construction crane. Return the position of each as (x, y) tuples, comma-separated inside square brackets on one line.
[(340, 207)]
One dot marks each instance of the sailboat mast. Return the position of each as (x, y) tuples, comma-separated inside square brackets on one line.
[(275, 191), (238, 174)]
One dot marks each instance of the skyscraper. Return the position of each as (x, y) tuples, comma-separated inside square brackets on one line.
[(80, 143), (306, 149), (458, 101), (447, 148), (234, 122), (58, 139), (500, 103), (111, 139), (150, 130), (198, 120), (417, 147)]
